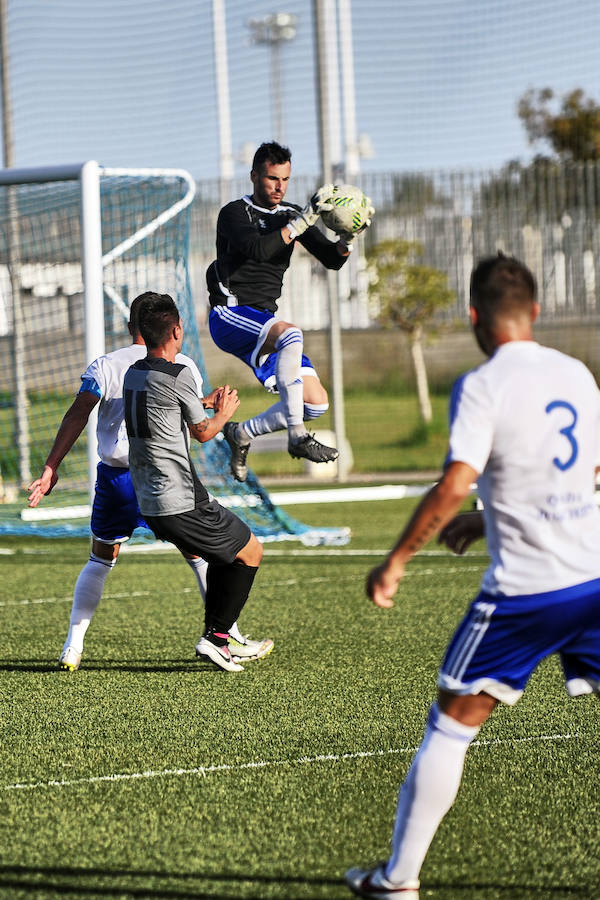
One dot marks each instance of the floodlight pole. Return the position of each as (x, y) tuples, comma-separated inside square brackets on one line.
[(7, 118), (226, 168), (356, 265), (273, 30), (321, 10), (351, 155)]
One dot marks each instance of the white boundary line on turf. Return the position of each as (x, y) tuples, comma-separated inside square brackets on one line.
[(350, 494), (108, 596), (159, 546), (282, 498), (327, 551), (453, 570), (204, 771)]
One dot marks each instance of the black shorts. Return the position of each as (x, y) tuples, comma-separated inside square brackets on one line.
[(209, 531)]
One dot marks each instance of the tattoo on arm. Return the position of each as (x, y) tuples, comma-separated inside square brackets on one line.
[(421, 538)]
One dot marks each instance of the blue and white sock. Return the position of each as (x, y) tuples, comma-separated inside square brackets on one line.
[(289, 346), (272, 419), (314, 410)]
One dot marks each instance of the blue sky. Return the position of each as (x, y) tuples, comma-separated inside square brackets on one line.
[(132, 83)]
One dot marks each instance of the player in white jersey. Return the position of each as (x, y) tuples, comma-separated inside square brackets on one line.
[(525, 426), (115, 510)]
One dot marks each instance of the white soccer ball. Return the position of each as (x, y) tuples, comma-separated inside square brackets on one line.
[(351, 210)]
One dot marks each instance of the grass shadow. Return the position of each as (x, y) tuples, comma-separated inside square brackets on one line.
[(122, 882), (101, 882), (111, 665), (418, 437)]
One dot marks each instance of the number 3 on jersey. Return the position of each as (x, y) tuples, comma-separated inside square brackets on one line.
[(568, 433)]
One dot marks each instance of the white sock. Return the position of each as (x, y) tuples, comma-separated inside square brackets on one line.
[(272, 419), (199, 567), (235, 633), (428, 792), (289, 346), (86, 597)]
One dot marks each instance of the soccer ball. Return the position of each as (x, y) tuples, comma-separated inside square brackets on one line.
[(351, 210)]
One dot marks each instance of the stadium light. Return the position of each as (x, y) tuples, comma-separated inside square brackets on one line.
[(274, 30)]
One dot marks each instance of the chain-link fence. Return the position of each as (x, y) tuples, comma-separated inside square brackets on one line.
[(546, 214)]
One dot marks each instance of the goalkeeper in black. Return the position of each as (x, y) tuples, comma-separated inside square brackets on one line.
[(255, 241)]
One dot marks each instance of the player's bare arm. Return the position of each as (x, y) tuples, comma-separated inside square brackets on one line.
[(432, 514), (73, 423), (462, 531)]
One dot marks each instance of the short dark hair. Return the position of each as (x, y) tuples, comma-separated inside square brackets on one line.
[(157, 316), (134, 311), (502, 284), (271, 152)]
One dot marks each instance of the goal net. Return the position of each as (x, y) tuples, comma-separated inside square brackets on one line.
[(77, 244)]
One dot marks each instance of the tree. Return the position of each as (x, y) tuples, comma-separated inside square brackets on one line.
[(413, 193), (552, 183), (409, 296), (570, 126)]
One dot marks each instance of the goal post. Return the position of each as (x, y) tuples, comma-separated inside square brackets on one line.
[(93, 264), (77, 244), (92, 281)]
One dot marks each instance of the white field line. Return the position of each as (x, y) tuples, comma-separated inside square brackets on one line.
[(204, 771), (453, 570), (369, 493), (326, 551), (37, 600), (161, 547)]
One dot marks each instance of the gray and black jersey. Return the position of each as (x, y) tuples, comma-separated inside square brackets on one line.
[(252, 256), (161, 400)]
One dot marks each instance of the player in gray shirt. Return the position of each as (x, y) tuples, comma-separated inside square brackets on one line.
[(162, 408)]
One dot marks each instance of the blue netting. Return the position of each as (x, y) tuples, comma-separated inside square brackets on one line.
[(49, 234)]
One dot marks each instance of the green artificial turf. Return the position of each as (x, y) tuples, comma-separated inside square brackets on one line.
[(383, 427), (150, 774)]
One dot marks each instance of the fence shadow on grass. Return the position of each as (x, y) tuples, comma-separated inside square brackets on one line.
[(97, 882), (92, 882), (445, 890), (188, 664)]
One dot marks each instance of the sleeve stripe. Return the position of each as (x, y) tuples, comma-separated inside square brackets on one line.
[(455, 398), (91, 386)]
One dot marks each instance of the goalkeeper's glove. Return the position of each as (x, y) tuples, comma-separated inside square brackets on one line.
[(346, 237), (318, 203)]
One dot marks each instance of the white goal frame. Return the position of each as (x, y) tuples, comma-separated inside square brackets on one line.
[(93, 262)]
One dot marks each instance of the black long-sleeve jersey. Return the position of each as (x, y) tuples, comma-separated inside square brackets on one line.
[(252, 256)]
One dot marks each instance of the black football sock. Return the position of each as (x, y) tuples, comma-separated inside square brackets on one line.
[(227, 589)]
